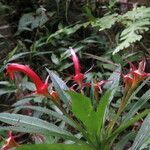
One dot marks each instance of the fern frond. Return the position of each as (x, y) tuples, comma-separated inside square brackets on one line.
[(136, 21), (105, 22)]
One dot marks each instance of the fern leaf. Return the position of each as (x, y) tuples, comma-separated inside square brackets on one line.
[(105, 22), (136, 21)]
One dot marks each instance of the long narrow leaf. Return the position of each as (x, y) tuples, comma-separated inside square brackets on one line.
[(101, 110), (36, 124), (145, 97), (60, 86), (128, 123), (143, 134), (49, 112), (113, 82)]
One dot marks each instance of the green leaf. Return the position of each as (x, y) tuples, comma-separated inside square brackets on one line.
[(136, 21), (54, 147), (25, 21), (140, 102), (60, 86), (143, 134), (35, 125), (113, 82), (128, 123), (83, 110), (40, 19), (67, 30), (101, 110), (17, 56), (125, 139), (113, 79), (138, 89), (6, 91), (105, 22), (22, 102), (55, 59), (31, 21), (49, 112)]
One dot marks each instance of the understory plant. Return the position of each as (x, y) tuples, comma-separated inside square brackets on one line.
[(93, 114)]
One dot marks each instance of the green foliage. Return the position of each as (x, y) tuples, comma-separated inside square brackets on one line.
[(60, 86), (31, 21), (67, 31), (7, 88), (54, 146), (125, 139), (46, 111), (105, 22), (83, 110), (41, 35), (143, 135), (33, 125), (136, 22), (128, 123), (138, 105)]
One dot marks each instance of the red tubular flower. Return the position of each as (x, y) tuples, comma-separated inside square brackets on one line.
[(78, 77), (10, 142), (41, 87), (135, 76)]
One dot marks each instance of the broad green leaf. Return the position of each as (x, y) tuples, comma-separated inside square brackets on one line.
[(4, 83), (146, 145), (140, 102), (54, 147), (10, 54), (60, 86), (2, 68), (31, 21), (83, 110), (36, 125), (143, 134)]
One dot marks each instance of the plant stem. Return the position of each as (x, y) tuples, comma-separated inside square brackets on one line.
[(121, 109)]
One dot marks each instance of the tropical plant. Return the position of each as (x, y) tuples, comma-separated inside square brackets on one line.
[(91, 119)]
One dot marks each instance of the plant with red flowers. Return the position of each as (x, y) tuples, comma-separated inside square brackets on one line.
[(89, 117)]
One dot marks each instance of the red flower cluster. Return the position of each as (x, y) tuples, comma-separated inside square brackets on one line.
[(136, 75), (79, 77)]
